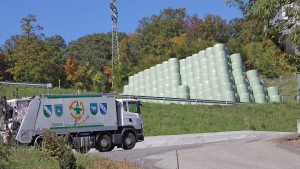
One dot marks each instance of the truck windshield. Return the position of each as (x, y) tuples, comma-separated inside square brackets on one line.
[(134, 107)]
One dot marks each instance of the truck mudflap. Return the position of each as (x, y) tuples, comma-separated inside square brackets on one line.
[(140, 137)]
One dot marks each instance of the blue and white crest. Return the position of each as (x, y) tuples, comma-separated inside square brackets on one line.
[(103, 108), (94, 108), (58, 109)]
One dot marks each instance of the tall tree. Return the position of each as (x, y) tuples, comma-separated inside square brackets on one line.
[(4, 65), (270, 14), (32, 56), (155, 32)]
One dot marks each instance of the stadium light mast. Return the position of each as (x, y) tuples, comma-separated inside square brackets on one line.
[(115, 58)]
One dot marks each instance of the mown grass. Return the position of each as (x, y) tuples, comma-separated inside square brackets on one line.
[(31, 91), (28, 158), (172, 119)]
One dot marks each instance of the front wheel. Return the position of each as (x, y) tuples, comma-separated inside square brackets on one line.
[(129, 141), (104, 143)]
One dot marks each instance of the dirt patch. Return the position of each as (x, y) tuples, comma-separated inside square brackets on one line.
[(294, 140)]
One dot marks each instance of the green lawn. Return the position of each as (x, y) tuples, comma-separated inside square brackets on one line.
[(30, 91), (171, 119)]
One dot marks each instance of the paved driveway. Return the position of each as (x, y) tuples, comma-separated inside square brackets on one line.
[(225, 150)]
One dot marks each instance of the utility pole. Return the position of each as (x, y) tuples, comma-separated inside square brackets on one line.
[(115, 58)]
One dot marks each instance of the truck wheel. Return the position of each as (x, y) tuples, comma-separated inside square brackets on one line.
[(129, 141), (38, 142), (104, 143)]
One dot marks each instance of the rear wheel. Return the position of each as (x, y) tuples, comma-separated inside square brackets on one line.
[(104, 143), (129, 141), (38, 142)]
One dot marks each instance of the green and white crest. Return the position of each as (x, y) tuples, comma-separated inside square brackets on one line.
[(47, 109)]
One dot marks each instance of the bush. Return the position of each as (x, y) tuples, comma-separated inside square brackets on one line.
[(267, 58), (57, 147)]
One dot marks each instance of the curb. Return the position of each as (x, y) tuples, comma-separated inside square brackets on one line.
[(186, 139)]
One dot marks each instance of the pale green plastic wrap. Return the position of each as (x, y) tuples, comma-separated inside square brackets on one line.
[(245, 97), (209, 74), (260, 98)]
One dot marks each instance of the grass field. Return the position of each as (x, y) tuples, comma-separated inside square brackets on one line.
[(30, 91), (287, 85), (184, 119)]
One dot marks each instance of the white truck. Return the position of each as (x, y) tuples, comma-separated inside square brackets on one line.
[(92, 121)]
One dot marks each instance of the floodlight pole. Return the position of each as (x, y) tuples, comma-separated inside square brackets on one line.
[(115, 58)]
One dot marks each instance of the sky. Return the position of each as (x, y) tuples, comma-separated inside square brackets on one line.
[(73, 19)]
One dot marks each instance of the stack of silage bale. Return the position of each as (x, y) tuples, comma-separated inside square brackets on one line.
[(210, 74)]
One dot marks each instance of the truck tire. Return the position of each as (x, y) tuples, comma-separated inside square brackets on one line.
[(129, 141), (104, 143), (38, 142)]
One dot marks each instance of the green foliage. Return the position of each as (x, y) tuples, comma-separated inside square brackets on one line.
[(154, 33), (84, 77), (294, 60), (56, 146), (295, 36), (4, 65), (28, 158), (214, 28), (267, 58), (5, 162), (34, 60), (265, 12), (94, 49)]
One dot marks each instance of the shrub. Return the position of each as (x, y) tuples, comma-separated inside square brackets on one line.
[(57, 147), (267, 58)]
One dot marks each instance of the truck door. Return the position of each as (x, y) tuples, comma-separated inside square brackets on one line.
[(132, 115)]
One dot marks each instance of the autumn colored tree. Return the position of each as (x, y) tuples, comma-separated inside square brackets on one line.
[(69, 69)]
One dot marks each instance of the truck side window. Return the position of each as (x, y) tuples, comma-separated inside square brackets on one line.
[(133, 107), (125, 106)]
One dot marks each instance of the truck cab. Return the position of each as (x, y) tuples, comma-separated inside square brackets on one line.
[(130, 117)]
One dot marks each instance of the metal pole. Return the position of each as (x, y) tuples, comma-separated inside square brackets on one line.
[(298, 91), (114, 39)]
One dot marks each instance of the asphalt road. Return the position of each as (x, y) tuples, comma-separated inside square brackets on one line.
[(247, 150)]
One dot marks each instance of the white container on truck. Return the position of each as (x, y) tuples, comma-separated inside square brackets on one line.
[(92, 121)]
